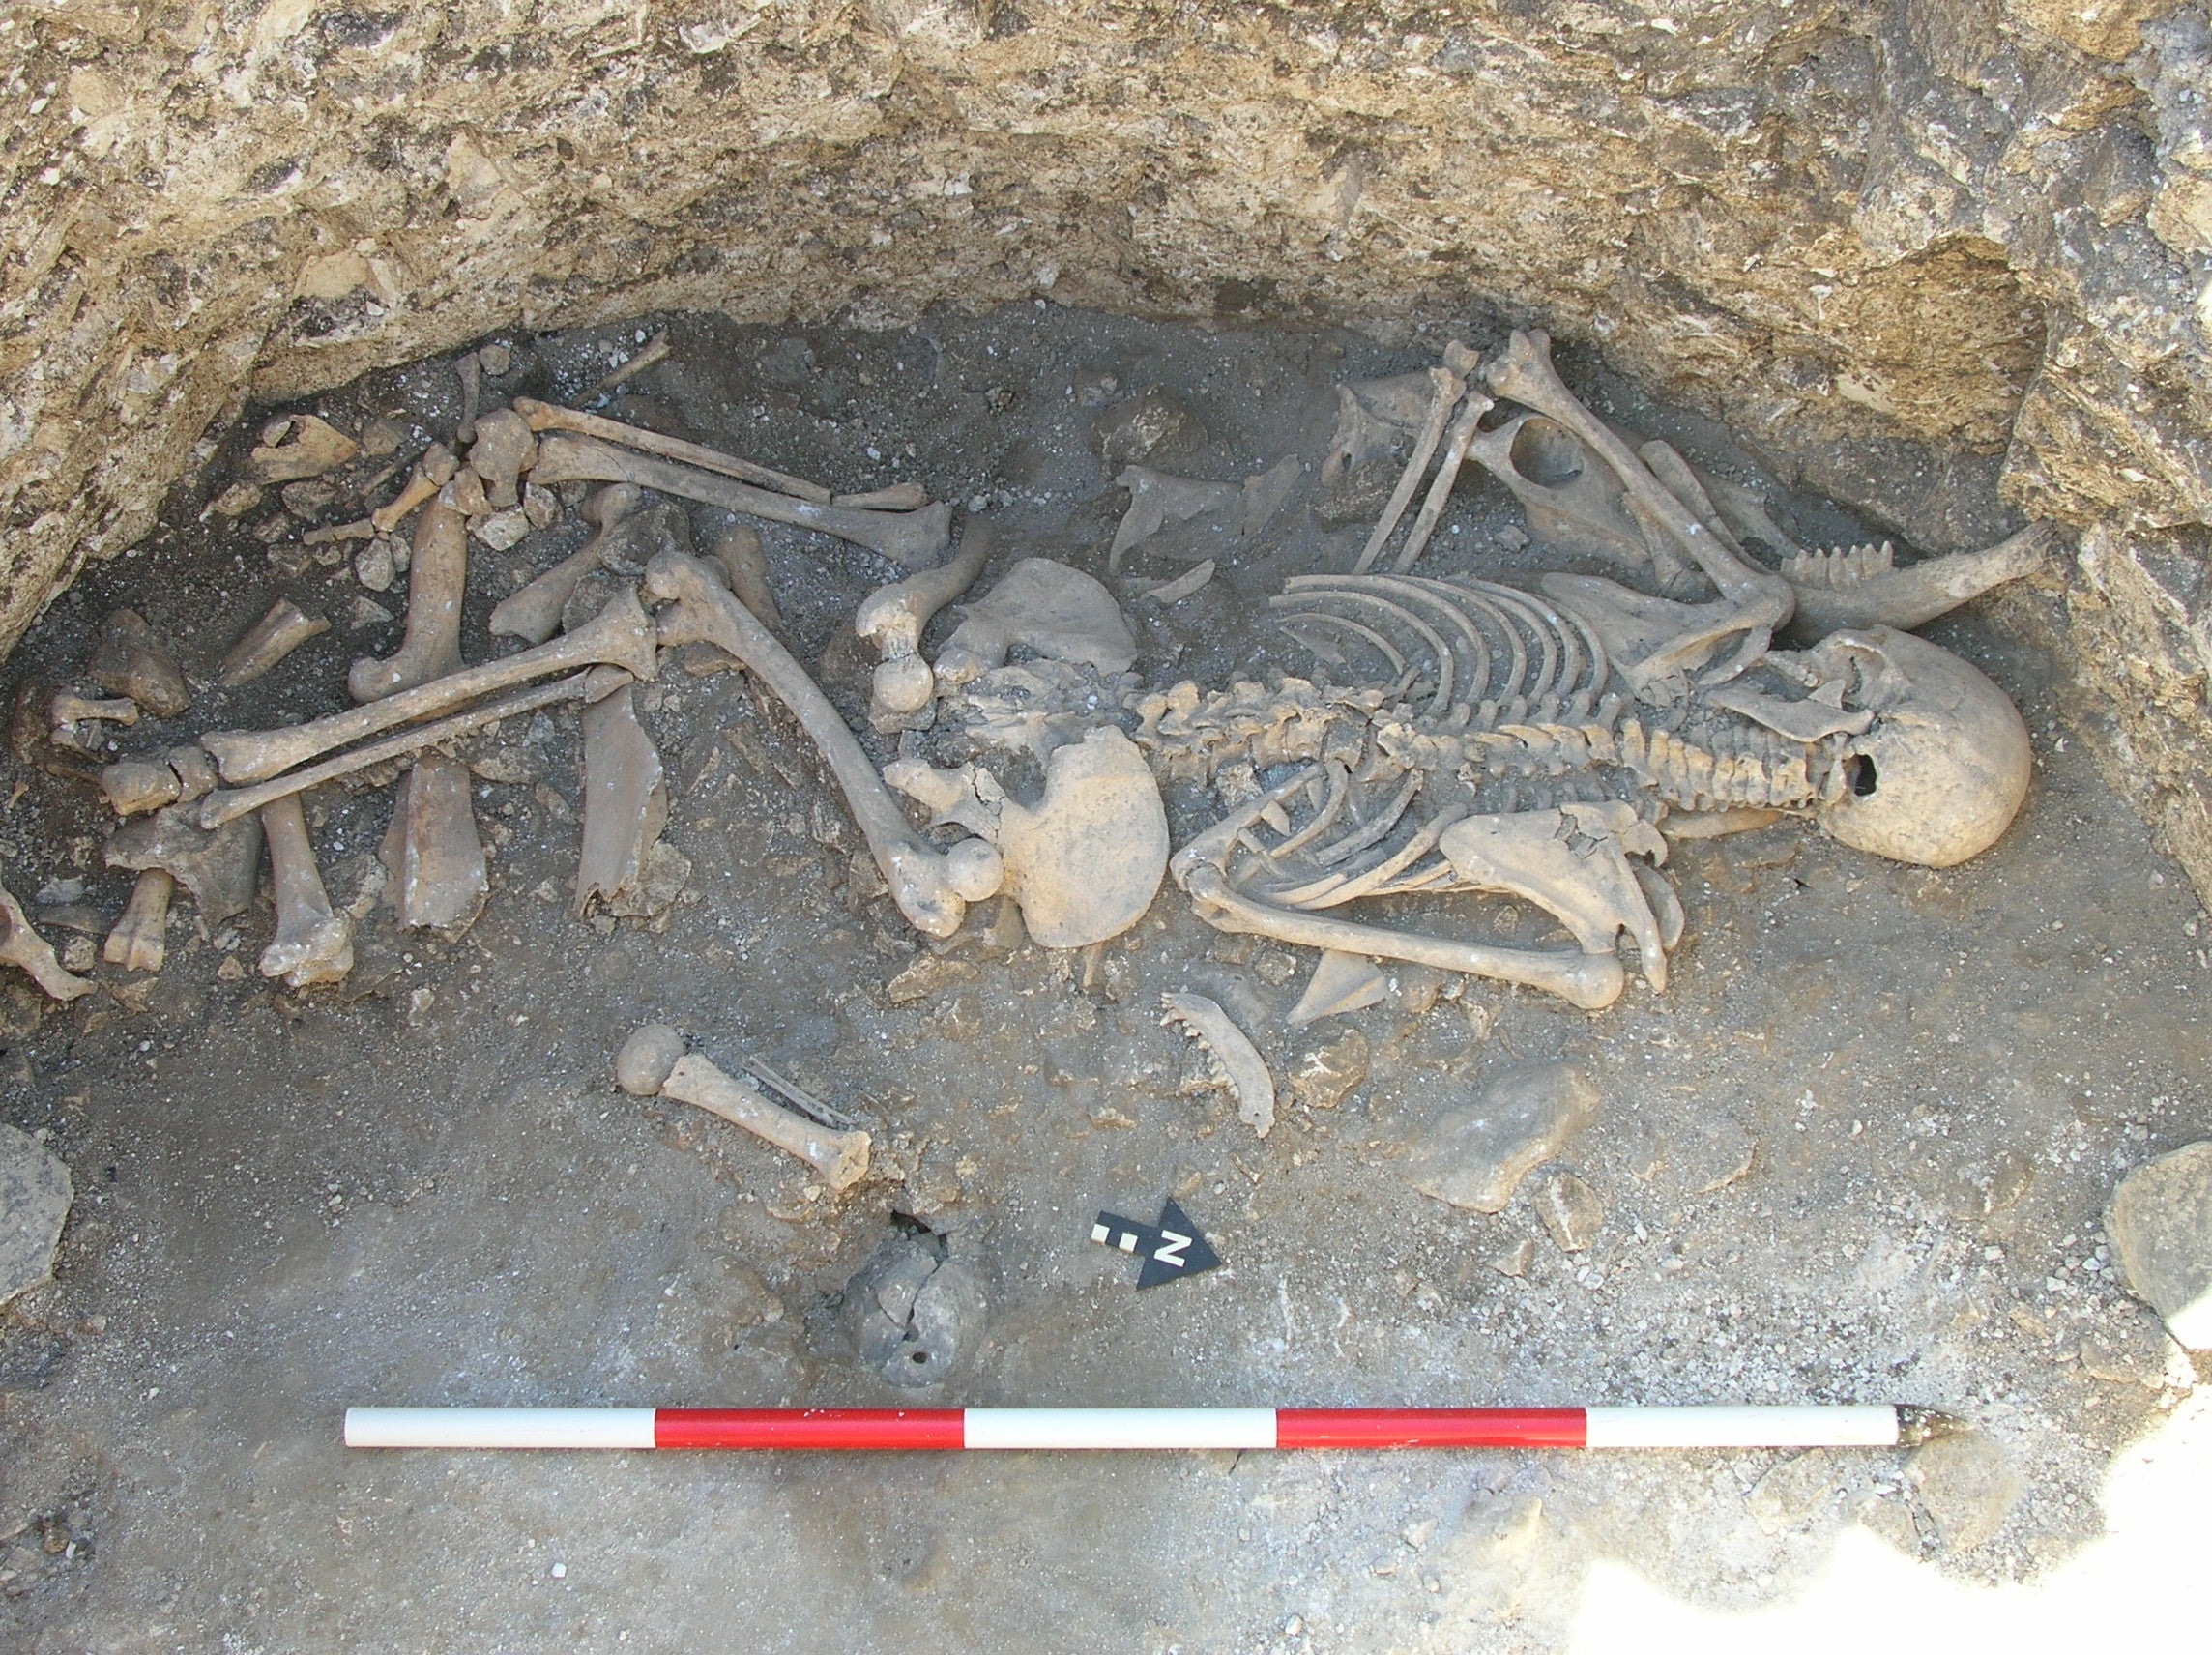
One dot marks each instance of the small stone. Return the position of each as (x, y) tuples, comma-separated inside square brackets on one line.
[(56, 891), (1968, 1485), (2160, 1224), (79, 956), (1325, 1074), (495, 359), (367, 612), (511, 763), (312, 447), (1150, 423), (1985, 1187), (1477, 1157), (643, 1064), (660, 882), (1571, 1212), (382, 437), (1512, 539), (502, 531), (2132, 1349), (541, 505), (928, 975), (34, 1196), (1516, 1258), (1274, 967), (309, 500), (1794, 1492), (129, 661), (372, 566)]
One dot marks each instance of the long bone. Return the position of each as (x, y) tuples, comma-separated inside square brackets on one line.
[(1463, 432), (313, 943), (437, 580), (653, 1063), (1447, 388), (431, 472), (268, 641), (550, 417), (1591, 981), (532, 613), (1762, 601), (932, 887), (620, 635), (229, 803), (914, 538), (893, 618), (22, 946)]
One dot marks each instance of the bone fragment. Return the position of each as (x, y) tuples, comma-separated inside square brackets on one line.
[(140, 940), (20, 946), (431, 853), (128, 659), (502, 450), (1203, 1021), (431, 472), (621, 635), (1361, 434), (534, 613), (333, 532), (1447, 388), (1340, 983), (898, 497), (220, 868), (1573, 862), (268, 641), (738, 549), (924, 882), (915, 539), (231, 803), (496, 358), (893, 618), (1156, 500), (1918, 593), (626, 801), (652, 1062), (1463, 431), (546, 417), (471, 369), (135, 785), (69, 707), (437, 580), (654, 349), (312, 446), (1182, 586), (1054, 611), (312, 945)]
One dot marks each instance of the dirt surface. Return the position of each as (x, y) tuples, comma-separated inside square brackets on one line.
[(1858, 1150)]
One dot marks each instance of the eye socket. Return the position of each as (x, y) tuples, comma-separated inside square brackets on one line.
[(1860, 770)]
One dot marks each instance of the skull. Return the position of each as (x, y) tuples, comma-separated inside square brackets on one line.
[(1942, 771)]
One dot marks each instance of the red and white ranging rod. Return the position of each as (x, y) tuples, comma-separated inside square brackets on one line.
[(1844, 1426)]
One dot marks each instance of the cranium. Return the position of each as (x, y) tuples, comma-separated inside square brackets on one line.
[(1944, 768)]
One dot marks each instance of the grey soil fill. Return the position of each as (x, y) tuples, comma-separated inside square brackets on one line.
[(1860, 1147)]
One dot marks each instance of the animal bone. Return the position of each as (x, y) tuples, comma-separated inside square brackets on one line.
[(471, 370), (140, 940), (915, 539), (1046, 607), (466, 494), (1569, 501), (69, 709), (1361, 434), (546, 417), (432, 471), (1447, 388), (1156, 499), (534, 613), (1830, 598), (312, 945), (1085, 862), (1446, 479), (231, 803), (312, 446), (1182, 586), (1204, 1022), (431, 851), (898, 497), (1572, 861), (621, 635), (21, 945), (655, 349), (1760, 600), (502, 450), (437, 581), (626, 801), (738, 549), (931, 887), (1340, 983), (220, 868), (135, 785), (653, 1063), (129, 660), (268, 641), (893, 618)]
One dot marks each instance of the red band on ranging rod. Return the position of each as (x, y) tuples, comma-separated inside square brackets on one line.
[(864, 1429)]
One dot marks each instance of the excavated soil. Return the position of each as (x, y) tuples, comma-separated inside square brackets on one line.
[(1859, 1150)]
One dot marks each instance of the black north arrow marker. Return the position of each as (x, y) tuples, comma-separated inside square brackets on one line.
[(1171, 1249)]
